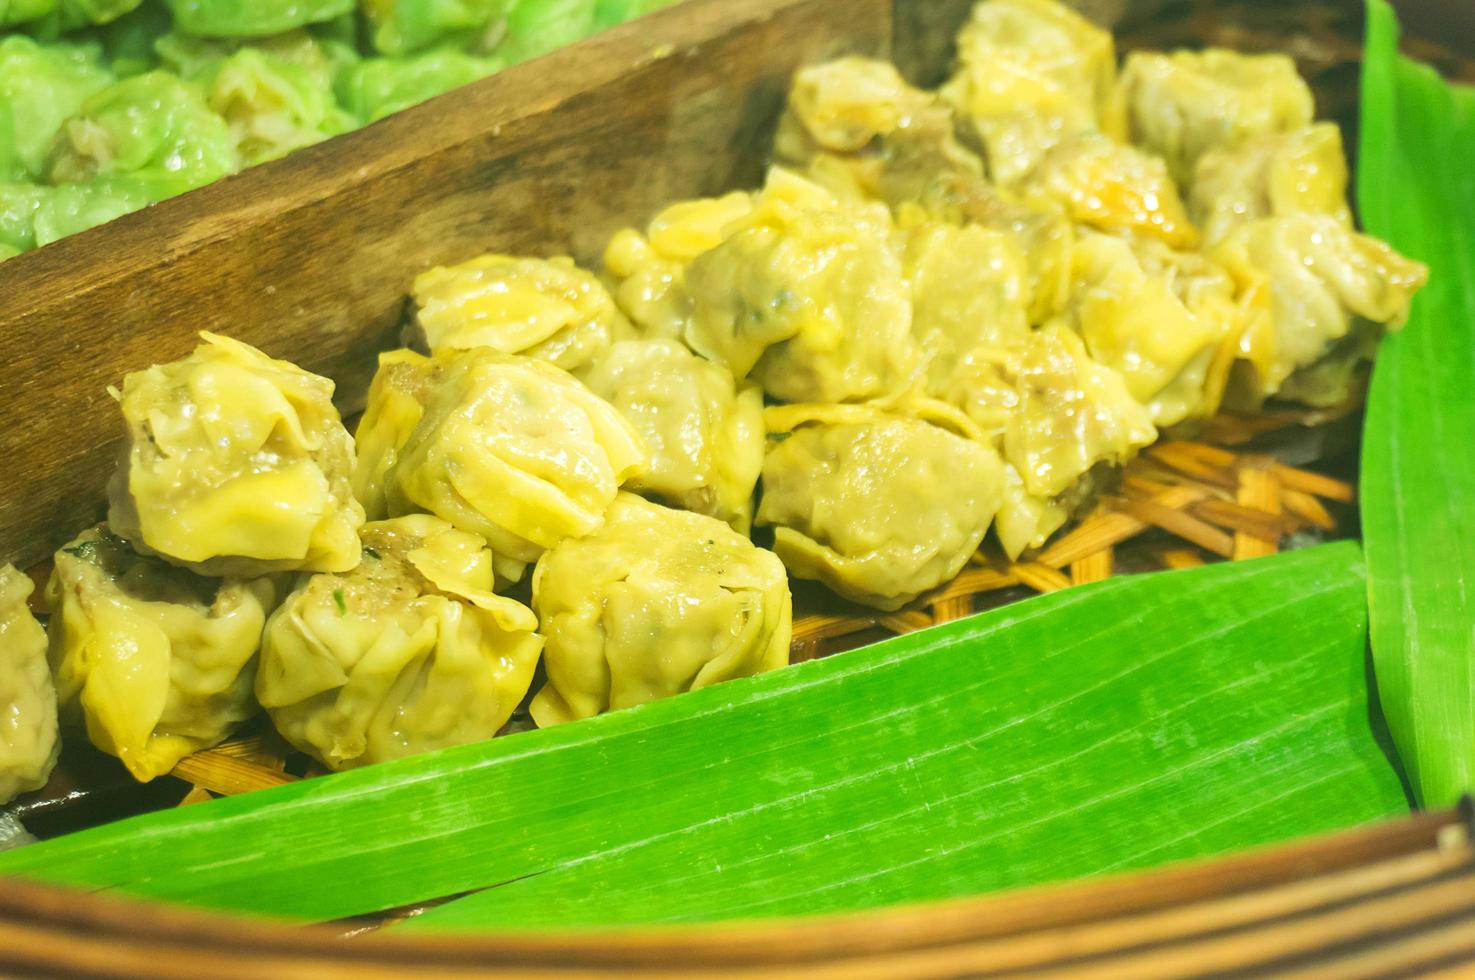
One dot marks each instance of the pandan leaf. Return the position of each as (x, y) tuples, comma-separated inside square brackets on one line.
[(1117, 725), (1416, 188)]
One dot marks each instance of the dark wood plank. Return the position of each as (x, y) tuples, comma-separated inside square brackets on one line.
[(310, 258)]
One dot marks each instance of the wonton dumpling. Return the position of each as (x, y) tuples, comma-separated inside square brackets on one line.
[(648, 272), (157, 661), (1181, 105), (704, 431), (969, 287), (1316, 278), (1030, 74), (1114, 188), (28, 742), (878, 507), (1267, 176), (235, 464), (807, 298), (510, 448), (1174, 355), (409, 652), (653, 603), (544, 308), (1056, 415), (272, 105)]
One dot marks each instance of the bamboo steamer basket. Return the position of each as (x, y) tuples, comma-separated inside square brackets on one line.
[(309, 257)]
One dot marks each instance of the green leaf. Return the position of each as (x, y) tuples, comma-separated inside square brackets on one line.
[(1416, 188), (1113, 726)]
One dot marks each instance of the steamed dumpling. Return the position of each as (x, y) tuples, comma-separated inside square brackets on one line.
[(1301, 171), (544, 308), (1321, 286), (806, 297), (648, 272), (509, 448), (1180, 106), (28, 742), (703, 430), (235, 464), (1031, 73), (156, 660), (410, 651), (878, 507), (653, 603)]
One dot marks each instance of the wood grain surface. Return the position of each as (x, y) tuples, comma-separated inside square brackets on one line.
[(310, 258), (1397, 899)]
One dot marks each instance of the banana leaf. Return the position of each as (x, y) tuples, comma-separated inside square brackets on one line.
[(1416, 188), (1118, 725)]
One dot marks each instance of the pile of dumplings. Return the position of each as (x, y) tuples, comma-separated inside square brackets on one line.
[(944, 312)]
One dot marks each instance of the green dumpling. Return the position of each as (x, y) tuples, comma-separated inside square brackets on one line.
[(69, 15), (152, 127), (271, 105), (402, 27), (40, 87), (252, 18), (379, 87), (536, 27), (21, 11)]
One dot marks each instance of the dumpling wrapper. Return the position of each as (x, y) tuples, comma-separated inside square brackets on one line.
[(1180, 106), (411, 651), (653, 603), (1267, 176), (509, 448), (235, 464), (1031, 73), (1319, 287), (878, 507), (544, 308), (157, 661), (805, 296), (703, 430), (648, 272), (28, 739)]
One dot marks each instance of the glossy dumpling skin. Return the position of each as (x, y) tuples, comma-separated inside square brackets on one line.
[(1174, 351), (409, 652), (508, 448), (1301, 171), (41, 86), (1180, 106), (1319, 287), (806, 297), (544, 308), (156, 660), (28, 739), (653, 603), (272, 105), (235, 464), (1056, 415), (703, 430), (251, 18), (1112, 187), (648, 272), (404, 26), (1031, 73), (878, 507)]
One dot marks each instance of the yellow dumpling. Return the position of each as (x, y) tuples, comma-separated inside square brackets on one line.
[(409, 652), (806, 297), (1304, 170), (1031, 73), (969, 288), (648, 272), (653, 603), (156, 660), (235, 464), (1056, 415), (509, 448), (1181, 105), (878, 507), (1321, 285), (1113, 188), (544, 308), (28, 741), (704, 431), (1173, 354)]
